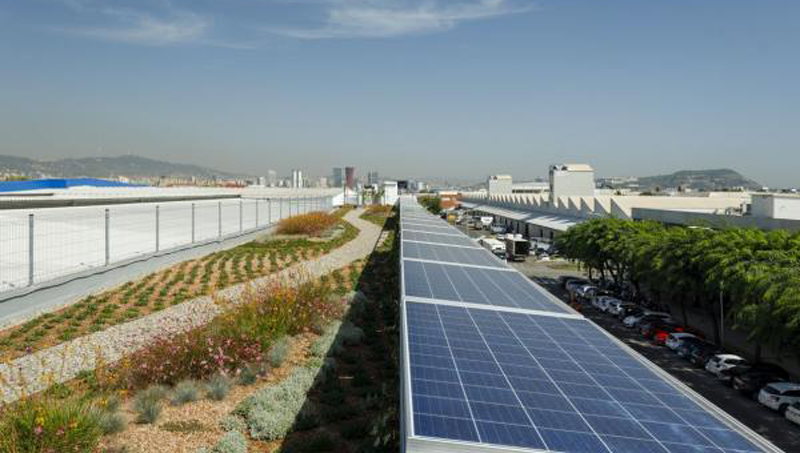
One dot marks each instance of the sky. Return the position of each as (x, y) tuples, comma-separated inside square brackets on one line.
[(410, 88)]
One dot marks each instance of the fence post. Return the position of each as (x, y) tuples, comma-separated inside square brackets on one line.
[(280, 207), (30, 249), (269, 211), (158, 229), (256, 213), (108, 237), (193, 224), (241, 215), (219, 219)]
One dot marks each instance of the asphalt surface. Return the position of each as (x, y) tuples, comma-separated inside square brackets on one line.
[(770, 424)]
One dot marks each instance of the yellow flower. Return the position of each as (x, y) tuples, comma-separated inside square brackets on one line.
[(40, 420)]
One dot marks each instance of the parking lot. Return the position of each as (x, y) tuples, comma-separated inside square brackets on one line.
[(766, 422)]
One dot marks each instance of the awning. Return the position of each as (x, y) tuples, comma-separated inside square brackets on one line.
[(535, 218)]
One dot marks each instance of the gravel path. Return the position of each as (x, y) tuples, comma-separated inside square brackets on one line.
[(40, 370)]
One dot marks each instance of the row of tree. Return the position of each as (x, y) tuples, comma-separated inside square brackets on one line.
[(749, 275)]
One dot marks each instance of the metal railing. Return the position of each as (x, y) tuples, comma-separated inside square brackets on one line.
[(45, 245)]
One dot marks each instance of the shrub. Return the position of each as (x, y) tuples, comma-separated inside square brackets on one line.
[(46, 425), (280, 351), (241, 334), (270, 413), (317, 442), (231, 442), (250, 373), (147, 404), (350, 334), (354, 429), (232, 422), (111, 422), (311, 224), (186, 391), (218, 387), (308, 418)]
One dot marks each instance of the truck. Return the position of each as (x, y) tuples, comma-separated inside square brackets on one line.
[(517, 248), (486, 222), (493, 245)]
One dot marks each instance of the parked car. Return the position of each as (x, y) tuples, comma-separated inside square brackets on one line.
[(629, 310), (646, 315), (751, 381), (778, 396), (649, 328), (722, 362), (602, 302), (793, 413), (730, 374), (687, 344), (498, 229), (675, 339), (615, 307), (702, 353), (567, 279)]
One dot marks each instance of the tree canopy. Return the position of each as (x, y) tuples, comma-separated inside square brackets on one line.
[(756, 273)]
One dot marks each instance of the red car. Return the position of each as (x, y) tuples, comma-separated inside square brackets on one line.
[(660, 335)]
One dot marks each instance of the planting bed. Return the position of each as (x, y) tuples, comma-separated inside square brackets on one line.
[(323, 377), (171, 286)]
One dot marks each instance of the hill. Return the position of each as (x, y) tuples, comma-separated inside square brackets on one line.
[(700, 180), (106, 167)]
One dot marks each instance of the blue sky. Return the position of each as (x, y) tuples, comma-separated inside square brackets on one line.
[(452, 89)]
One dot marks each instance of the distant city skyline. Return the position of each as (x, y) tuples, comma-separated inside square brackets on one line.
[(452, 89)]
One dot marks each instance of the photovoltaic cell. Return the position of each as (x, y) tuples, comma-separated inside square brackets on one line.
[(544, 382), (475, 285), (460, 255), (429, 228)]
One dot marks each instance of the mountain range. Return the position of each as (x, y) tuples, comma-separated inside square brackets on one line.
[(698, 180), (106, 167)]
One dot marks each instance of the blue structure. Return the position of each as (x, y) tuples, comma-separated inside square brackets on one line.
[(39, 184)]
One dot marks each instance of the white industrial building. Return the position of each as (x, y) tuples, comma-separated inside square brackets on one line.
[(571, 180), (500, 184), (573, 200)]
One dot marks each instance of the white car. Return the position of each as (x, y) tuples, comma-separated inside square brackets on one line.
[(793, 413), (613, 306), (633, 320), (675, 339), (778, 396), (603, 303), (722, 362)]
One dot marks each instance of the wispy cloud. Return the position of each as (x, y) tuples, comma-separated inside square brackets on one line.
[(153, 23), (139, 28), (372, 19)]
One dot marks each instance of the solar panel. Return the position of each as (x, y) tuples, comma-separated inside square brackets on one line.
[(444, 239), (544, 382), (460, 255), (500, 288), (430, 228)]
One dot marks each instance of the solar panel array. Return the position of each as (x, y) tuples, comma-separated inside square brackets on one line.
[(493, 362)]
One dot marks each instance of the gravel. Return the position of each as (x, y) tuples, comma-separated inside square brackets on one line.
[(42, 369)]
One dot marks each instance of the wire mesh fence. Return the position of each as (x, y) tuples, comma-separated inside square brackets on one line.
[(43, 245)]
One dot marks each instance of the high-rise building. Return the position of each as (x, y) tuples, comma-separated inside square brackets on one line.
[(297, 179), (372, 178), (337, 177), (272, 178), (350, 177), (262, 181)]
